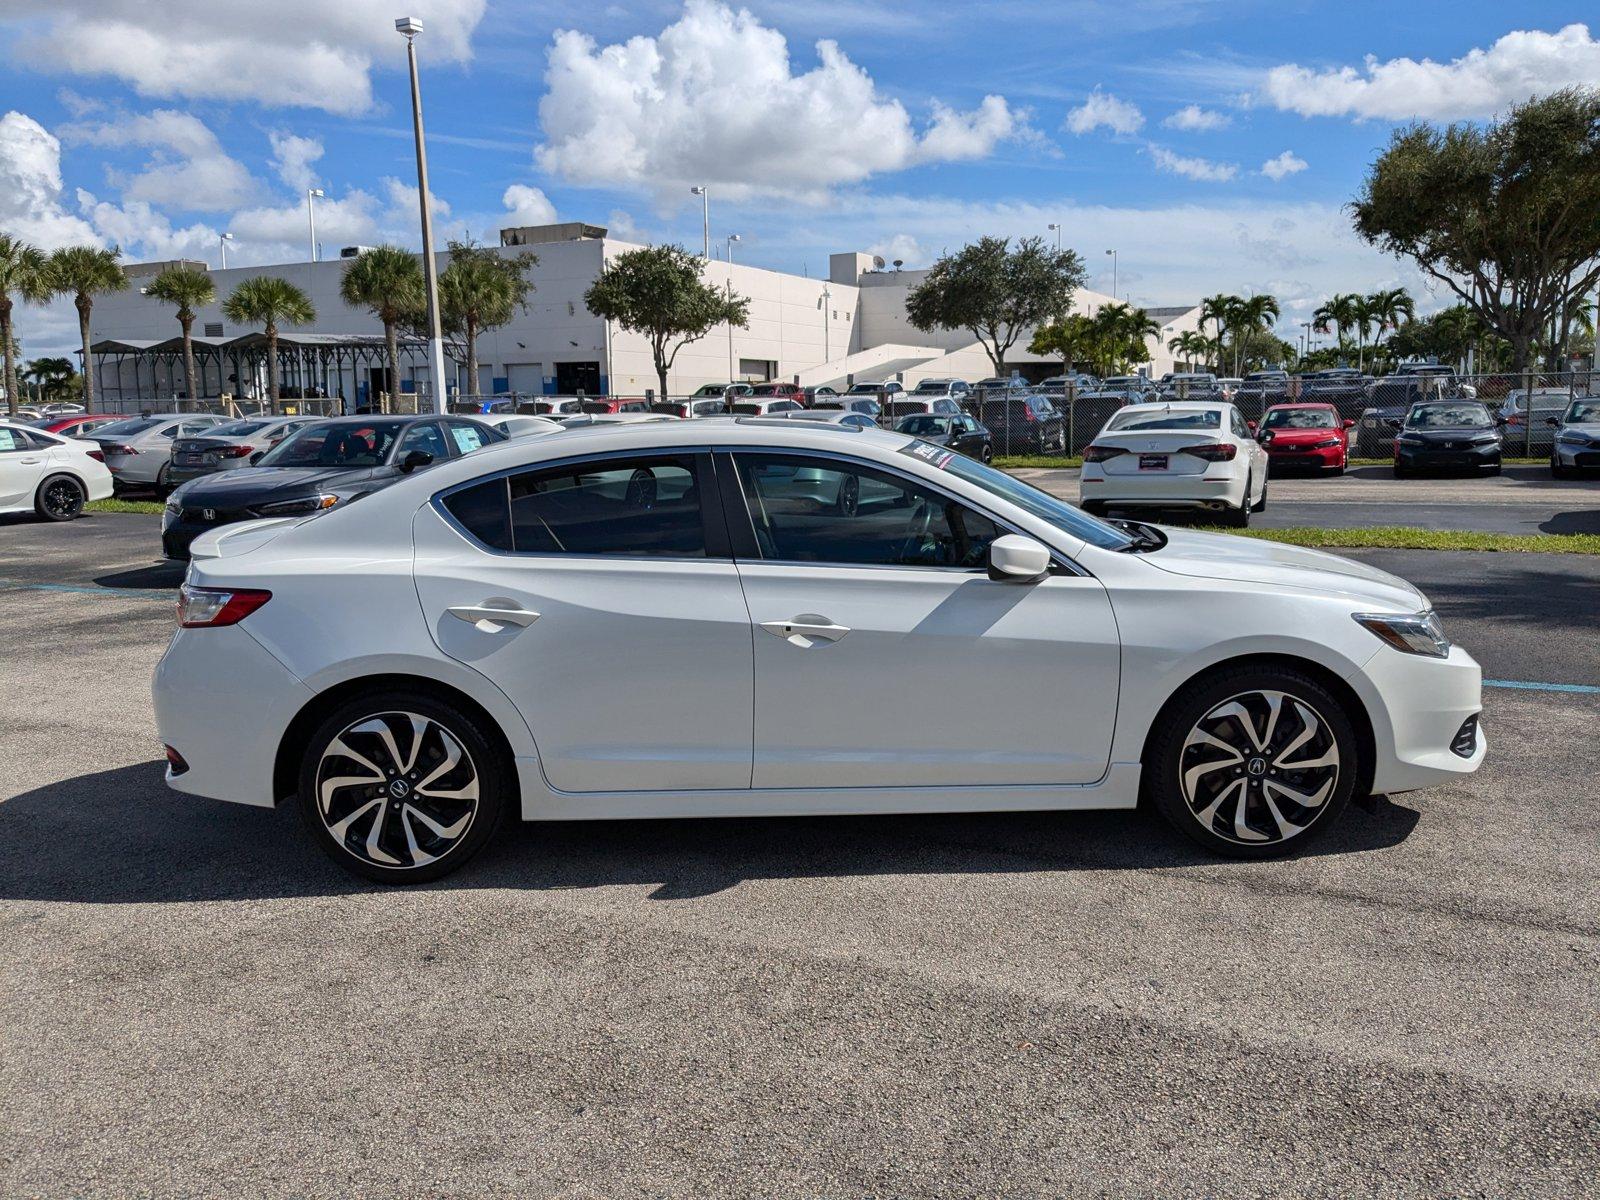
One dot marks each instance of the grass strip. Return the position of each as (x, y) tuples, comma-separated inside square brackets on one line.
[(123, 506), (1402, 537)]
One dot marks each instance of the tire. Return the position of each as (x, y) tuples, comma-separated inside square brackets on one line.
[(1191, 780), (1261, 504), (848, 502), (60, 498), (1401, 472), (987, 453), (1557, 471), (384, 807), (163, 488)]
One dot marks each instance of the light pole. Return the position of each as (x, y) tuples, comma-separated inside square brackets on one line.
[(1056, 229), (704, 193), (410, 27), (312, 196), (1113, 255), (827, 319), (223, 241), (732, 238), (1306, 338)]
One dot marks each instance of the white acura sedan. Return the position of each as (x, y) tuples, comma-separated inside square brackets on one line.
[(656, 621), (1176, 455), (51, 475)]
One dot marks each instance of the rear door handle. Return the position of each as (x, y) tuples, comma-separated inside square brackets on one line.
[(806, 630), (491, 618)]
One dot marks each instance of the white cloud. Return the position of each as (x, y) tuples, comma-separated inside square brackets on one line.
[(292, 158), (1202, 169), (1103, 109), (1286, 164), (31, 206), (1193, 119), (1522, 64), (667, 111), (299, 53), (903, 247), (188, 169), (529, 206)]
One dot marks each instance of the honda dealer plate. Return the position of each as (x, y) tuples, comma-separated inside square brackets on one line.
[(1152, 462)]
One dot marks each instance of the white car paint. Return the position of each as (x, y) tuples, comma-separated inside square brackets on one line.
[(28, 457), (653, 686), (1156, 466)]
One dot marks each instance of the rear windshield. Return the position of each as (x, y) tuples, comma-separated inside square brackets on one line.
[(1447, 416), (1139, 419), (352, 444), (238, 429), (770, 389), (129, 427), (1300, 418)]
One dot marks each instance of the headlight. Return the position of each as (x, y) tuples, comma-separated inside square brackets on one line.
[(1570, 438), (172, 507), (1325, 444), (306, 504), (1484, 439), (1410, 633), (1410, 439)]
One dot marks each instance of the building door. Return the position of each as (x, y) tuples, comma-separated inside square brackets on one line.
[(526, 379), (575, 377)]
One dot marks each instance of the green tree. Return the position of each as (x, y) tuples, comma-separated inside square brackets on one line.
[(1192, 346), (478, 291), (84, 272), (996, 292), (1218, 310), (23, 274), (269, 301), (387, 282), (188, 289), (657, 291), (1251, 315), (1071, 338), (55, 378), (1339, 313), (1119, 333), (1505, 215)]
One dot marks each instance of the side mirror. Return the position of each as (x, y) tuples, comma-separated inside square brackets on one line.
[(1553, 422), (417, 458), (256, 457), (1392, 423), (1502, 422), (1250, 425), (1349, 424), (1017, 559), (1264, 436)]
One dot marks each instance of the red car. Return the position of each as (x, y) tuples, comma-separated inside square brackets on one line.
[(615, 404), (1308, 435), (77, 425), (781, 391)]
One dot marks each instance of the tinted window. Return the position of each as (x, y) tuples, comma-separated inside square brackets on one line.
[(1139, 419), (635, 506), (1447, 416), (808, 509), (129, 427), (346, 444), (484, 511)]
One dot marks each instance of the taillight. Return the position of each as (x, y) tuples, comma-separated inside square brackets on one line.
[(237, 451), (1216, 452), (120, 450), (211, 607), (97, 455), (1028, 414), (1101, 453)]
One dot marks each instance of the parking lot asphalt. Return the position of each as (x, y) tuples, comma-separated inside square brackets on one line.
[(195, 1002)]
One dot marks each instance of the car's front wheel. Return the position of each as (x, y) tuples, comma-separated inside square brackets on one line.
[(402, 787), (1252, 761)]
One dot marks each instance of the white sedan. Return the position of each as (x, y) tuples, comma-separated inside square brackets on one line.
[(49, 475), (1177, 455), (645, 621)]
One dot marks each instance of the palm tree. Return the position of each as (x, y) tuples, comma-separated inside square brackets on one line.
[(387, 281), (1193, 345), (1217, 308), (267, 300), (84, 272), (23, 272), (188, 289), (480, 290), (1256, 312), (1338, 312), (55, 378)]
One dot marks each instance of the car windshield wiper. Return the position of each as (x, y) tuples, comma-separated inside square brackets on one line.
[(1146, 538)]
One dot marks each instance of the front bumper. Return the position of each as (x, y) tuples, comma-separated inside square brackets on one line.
[(1430, 458), (1568, 455), (1307, 457), (1417, 706), (178, 533)]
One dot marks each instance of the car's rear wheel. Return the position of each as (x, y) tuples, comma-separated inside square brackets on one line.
[(1239, 518), (59, 498), (402, 787), (1252, 761)]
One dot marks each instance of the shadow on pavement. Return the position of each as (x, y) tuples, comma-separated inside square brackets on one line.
[(171, 847), (157, 575), (1579, 520)]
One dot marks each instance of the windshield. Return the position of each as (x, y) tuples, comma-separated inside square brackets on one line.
[(1300, 418), (1065, 517), (125, 428), (1583, 411), (922, 426), (1447, 416), (929, 388), (770, 389), (865, 389), (1133, 419), (346, 444)]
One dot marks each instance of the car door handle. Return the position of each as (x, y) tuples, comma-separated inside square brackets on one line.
[(30, 460), (806, 631), (488, 617)]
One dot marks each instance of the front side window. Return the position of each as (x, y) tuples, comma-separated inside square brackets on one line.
[(425, 437), (633, 507), (811, 509)]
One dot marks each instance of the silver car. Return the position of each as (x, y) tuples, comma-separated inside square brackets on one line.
[(139, 450), (229, 446), (1577, 438)]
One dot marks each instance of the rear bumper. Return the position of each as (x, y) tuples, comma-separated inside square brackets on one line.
[(1157, 491)]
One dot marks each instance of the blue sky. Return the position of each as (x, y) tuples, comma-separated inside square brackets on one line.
[(1213, 144)]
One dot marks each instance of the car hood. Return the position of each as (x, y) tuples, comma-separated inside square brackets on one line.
[(1226, 556), (1466, 433), (259, 485), (1587, 428)]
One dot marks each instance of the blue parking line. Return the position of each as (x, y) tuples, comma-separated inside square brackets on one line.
[(1580, 688), (25, 585)]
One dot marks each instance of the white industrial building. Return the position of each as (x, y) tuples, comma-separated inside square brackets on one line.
[(851, 326)]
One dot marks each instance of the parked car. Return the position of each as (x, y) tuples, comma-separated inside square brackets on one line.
[(614, 404), (581, 420), (780, 391), (522, 425), (1304, 436), (1127, 389), (821, 391), (911, 402), (933, 389), (1576, 444), (74, 425), (765, 408), (852, 401), (1390, 398), (1547, 402), (1444, 435), (138, 451), (229, 446), (1258, 388), (721, 391), (1230, 385), (958, 432), (1056, 385), (833, 416), (684, 409), (1023, 423), (880, 393), (1177, 456), (1190, 385), (328, 463), (51, 475), (1243, 690), (555, 406)]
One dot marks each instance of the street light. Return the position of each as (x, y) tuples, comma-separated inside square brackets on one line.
[(410, 27), (1113, 254), (705, 217), (312, 195), (223, 240), (732, 238), (1056, 229)]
